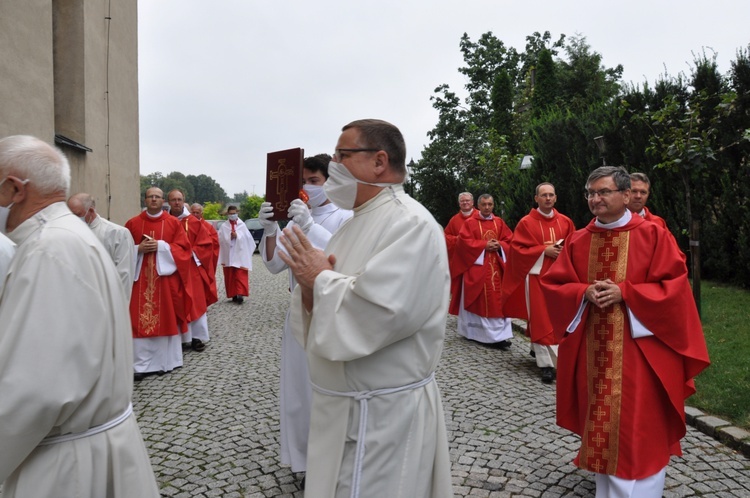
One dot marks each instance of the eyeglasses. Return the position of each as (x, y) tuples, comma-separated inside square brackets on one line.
[(340, 153), (605, 192)]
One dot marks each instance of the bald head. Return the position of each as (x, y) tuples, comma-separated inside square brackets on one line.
[(83, 205)]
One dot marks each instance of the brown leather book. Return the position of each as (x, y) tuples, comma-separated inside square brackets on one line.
[(283, 179)]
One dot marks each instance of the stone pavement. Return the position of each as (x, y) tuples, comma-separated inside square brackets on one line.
[(211, 427)]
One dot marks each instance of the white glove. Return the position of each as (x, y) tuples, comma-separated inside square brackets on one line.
[(300, 214), (264, 217)]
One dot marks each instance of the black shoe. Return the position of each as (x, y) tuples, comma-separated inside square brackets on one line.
[(302, 483), (532, 353), (548, 375), (239, 300), (234, 299), (198, 345), (504, 345), (139, 376)]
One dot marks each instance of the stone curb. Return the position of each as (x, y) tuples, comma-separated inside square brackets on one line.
[(721, 430)]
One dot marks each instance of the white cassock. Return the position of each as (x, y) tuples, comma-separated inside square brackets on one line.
[(295, 394), (66, 368), (7, 249), (378, 323), (119, 243)]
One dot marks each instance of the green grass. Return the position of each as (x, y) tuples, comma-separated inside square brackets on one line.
[(724, 387)]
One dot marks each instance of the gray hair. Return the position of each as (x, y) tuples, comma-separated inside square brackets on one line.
[(465, 193), (30, 158), (640, 177), (484, 196), (619, 175), (86, 200)]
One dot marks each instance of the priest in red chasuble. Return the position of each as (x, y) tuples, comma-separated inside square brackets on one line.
[(477, 269), (536, 244), (631, 341), (159, 305), (202, 253), (212, 294), (452, 229)]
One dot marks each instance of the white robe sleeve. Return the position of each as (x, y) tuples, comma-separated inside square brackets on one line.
[(165, 264), (361, 312)]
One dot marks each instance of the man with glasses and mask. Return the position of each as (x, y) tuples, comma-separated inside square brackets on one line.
[(319, 222), (631, 341), (159, 307), (370, 312), (66, 420)]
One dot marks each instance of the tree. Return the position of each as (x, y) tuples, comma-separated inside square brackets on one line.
[(211, 211), (205, 189), (250, 207)]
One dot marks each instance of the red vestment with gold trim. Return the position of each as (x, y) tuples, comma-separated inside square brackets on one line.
[(481, 283), (625, 396), (159, 304)]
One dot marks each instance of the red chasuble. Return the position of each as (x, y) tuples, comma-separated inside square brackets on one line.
[(624, 396), (530, 238), (200, 242), (158, 305), (452, 229), (212, 294), (481, 284), (655, 219)]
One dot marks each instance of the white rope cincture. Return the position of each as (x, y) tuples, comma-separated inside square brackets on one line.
[(94, 430), (362, 397)]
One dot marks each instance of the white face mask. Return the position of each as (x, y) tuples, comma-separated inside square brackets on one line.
[(341, 186), (316, 195), (233, 217)]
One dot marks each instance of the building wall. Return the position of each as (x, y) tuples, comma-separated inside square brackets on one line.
[(70, 67)]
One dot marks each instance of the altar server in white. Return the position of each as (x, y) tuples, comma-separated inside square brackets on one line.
[(319, 222)]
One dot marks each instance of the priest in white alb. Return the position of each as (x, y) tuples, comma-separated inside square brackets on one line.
[(67, 426), (370, 312)]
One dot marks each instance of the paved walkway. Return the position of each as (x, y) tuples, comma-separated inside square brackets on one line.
[(212, 426)]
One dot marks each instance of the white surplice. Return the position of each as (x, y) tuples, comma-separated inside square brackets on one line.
[(295, 394), (378, 322), (7, 249), (66, 368), (119, 243), (236, 252)]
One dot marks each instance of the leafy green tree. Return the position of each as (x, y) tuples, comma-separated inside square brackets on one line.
[(250, 207), (545, 91), (211, 211), (205, 189), (240, 197)]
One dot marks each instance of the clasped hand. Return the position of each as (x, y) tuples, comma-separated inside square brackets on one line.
[(604, 293)]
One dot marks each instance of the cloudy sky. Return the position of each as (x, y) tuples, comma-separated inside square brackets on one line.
[(224, 82)]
